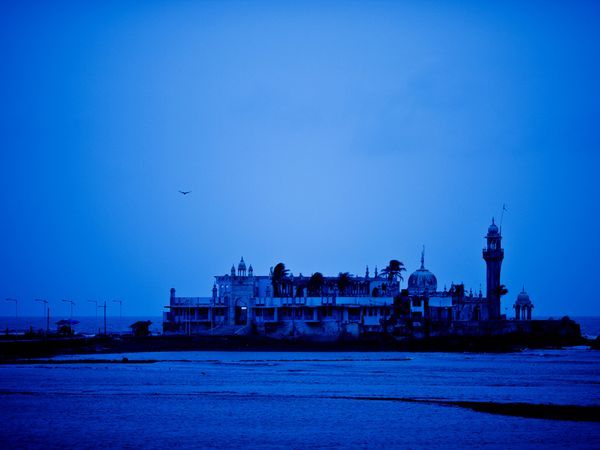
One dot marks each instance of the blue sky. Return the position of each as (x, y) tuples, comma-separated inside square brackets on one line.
[(328, 136)]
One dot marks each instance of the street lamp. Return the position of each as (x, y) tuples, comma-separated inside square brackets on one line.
[(46, 312), (96, 309), (120, 302), (104, 306), (72, 304), (16, 310)]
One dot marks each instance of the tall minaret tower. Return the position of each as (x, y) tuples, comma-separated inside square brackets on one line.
[(493, 255)]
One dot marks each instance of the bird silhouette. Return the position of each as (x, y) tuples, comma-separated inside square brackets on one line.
[(184, 192)]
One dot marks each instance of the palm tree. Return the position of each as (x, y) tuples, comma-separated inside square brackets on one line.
[(458, 290), (502, 291), (394, 270), (315, 284), (343, 282), (280, 274)]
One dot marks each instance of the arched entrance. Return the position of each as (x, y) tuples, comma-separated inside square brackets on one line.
[(241, 312)]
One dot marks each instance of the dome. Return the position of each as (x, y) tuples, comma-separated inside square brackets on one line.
[(422, 280), (242, 264), (493, 228), (523, 298)]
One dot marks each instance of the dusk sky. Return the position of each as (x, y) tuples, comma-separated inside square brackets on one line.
[(327, 135)]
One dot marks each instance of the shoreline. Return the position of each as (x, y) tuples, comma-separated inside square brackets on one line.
[(12, 350)]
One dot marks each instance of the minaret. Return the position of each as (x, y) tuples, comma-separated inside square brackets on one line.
[(493, 255)]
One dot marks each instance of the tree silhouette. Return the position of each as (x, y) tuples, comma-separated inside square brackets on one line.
[(343, 282), (315, 284), (458, 290), (393, 271), (280, 274), (502, 291)]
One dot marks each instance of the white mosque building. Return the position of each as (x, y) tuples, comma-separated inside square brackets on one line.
[(323, 307)]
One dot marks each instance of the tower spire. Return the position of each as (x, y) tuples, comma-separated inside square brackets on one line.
[(423, 258)]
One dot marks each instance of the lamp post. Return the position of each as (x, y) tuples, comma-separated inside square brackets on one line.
[(72, 304), (16, 310), (104, 306), (96, 309), (120, 302), (46, 313)]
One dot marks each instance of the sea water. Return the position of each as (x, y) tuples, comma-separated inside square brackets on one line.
[(295, 400)]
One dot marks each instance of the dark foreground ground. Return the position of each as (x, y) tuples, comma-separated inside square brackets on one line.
[(11, 349)]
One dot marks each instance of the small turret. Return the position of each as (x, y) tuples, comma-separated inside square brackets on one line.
[(367, 272), (523, 306), (242, 268), (214, 291), (250, 271), (233, 270)]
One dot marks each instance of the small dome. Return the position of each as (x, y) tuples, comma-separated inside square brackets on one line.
[(523, 298), (493, 228), (422, 280), (242, 264)]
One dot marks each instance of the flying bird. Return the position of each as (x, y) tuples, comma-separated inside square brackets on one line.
[(184, 192)]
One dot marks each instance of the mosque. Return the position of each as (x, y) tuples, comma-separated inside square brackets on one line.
[(322, 307)]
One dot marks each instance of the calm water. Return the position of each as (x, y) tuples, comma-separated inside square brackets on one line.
[(285, 400)]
